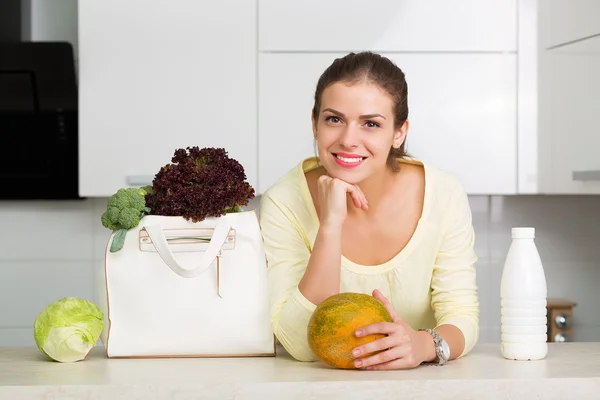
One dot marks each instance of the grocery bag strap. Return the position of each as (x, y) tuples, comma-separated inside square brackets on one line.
[(221, 230)]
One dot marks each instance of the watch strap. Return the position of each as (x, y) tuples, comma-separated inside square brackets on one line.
[(440, 360)]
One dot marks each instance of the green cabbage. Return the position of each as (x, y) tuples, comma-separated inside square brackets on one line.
[(67, 329)]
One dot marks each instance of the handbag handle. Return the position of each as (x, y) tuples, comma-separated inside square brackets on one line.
[(217, 241)]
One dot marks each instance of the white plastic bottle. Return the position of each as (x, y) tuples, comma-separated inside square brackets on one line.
[(523, 300)]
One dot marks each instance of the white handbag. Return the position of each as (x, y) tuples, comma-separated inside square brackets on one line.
[(184, 289)]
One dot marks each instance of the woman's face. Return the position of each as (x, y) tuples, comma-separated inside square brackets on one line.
[(355, 130)]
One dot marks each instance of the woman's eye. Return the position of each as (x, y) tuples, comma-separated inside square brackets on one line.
[(333, 119), (371, 124)]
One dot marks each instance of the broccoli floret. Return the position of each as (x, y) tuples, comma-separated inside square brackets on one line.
[(110, 218), (128, 198), (129, 218), (124, 209), (119, 200), (137, 202)]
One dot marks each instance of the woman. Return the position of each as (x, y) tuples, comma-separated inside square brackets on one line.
[(363, 217)]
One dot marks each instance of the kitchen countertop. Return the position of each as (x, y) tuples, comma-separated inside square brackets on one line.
[(570, 371)]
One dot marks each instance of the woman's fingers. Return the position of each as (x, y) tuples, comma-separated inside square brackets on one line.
[(365, 203), (380, 328), (394, 351), (358, 198), (395, 356), (332, 200), (329, 185), (384, 343), (354, 195), (379, 296)]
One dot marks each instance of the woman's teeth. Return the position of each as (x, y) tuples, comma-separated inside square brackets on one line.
[(349, 160)]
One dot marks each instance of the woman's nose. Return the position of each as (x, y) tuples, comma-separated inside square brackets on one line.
[(350, 137)]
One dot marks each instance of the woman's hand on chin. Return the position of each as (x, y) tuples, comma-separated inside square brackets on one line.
[(333, 194)]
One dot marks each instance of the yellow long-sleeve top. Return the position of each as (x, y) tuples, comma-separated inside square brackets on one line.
[(430, 282)]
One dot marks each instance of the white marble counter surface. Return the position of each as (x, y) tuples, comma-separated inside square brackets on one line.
[(570, 371)]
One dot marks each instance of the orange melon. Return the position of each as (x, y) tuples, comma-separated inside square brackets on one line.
[(332, 326)]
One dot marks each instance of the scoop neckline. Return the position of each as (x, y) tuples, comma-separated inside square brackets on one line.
[(398, 257)]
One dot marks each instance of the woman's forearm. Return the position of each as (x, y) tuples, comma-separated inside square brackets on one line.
[(322, 276), (454, 337)]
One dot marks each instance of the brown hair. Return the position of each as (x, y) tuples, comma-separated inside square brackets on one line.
[(373, 68)]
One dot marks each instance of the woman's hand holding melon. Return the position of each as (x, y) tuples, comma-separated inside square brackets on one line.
[(333, 194), (401, 348)]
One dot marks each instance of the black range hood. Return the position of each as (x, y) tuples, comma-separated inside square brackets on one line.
[(38, 121)]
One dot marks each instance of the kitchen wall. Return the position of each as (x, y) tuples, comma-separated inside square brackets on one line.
[(50, 250)]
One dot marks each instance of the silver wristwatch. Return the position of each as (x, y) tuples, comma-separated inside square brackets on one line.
[(441, 347)]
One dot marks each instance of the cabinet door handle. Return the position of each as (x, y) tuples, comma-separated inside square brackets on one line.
[(586, 175), (139, 180)]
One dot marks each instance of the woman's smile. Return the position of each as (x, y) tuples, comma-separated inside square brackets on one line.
[(347, 160)]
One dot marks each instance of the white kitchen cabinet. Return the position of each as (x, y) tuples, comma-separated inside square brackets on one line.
[(160, 75), (566, 21), (570, 116), (387, 25), (462, 113), (560, 94)]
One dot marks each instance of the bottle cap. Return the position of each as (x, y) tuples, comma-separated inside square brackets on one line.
[(523, 233)]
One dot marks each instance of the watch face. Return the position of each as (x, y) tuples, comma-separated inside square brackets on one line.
[(445, 349)]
